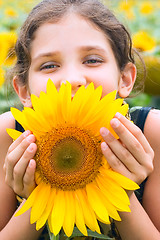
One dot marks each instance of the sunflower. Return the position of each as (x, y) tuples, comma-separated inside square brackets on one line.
[(146, 7), (11, 12), (2, 73), (127, 8), (7, 43), (143, 41), (75, 184)]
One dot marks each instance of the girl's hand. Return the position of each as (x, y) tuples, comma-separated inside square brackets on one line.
[(130, 155), (20, 166)]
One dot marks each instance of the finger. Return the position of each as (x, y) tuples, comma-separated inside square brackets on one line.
[(9, 160), (136, 131), (4, 168), (29, 177), (19, 140), (14, 156), (120, 151), (21, 167), (133, 145), (137, 176), (113, 161)]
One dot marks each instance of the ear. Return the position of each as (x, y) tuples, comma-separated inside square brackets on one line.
[(127, 80), (22, 92)]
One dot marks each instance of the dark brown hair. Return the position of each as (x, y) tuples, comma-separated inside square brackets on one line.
[(53, 11)]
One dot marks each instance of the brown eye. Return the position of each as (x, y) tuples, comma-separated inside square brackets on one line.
[(49, 66), (93, 61)]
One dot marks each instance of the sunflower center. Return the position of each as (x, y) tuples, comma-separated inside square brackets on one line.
[(68, 157)]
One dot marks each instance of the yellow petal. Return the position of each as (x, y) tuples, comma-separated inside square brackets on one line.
[(119, 198), (90, 89), (80, 222), (40, 203), (51, 89), (14, 134), (69, 219), (89, 215), (108, 98), (112, 211), (52, 103), (124, 109), (50, 225), (19, 116), (81, 102), (114, 107), (38, 178), (58, 212), (42, 220), (93, 194), (78, 97), (77, 104), (122, 180), (35, 102), (29, 202), (66, 98), (34, 122), (45, 109), (115, 188), (89, 110)]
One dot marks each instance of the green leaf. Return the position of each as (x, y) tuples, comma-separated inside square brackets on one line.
[(77, 233)]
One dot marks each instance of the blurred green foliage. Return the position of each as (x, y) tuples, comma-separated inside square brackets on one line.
[(142, 18)]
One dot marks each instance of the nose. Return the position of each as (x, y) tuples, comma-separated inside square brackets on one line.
[(75, 77)]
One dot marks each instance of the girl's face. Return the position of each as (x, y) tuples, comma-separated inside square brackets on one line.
[(72, 50)]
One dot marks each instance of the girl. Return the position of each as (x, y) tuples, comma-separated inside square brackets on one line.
[(80, 41)]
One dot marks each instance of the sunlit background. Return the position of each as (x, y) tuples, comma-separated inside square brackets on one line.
[(141, 17)]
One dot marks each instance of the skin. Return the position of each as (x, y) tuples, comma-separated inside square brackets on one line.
[(81, 58)]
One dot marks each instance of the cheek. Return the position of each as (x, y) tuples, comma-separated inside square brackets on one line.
[(108, 78), (107, 88), (37, 85), (109, 84)]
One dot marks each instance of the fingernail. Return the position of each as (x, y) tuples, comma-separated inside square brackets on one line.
[(114, 122), (29, 138), (104, 132), (118, 115), (26, 133), (104, 146), (30, 148), (31, 163)]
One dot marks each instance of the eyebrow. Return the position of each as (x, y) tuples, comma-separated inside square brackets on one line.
[(46, 54), (91, 48), (81, 48)]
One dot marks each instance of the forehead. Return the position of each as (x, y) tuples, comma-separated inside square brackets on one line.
[(73, 29), (73, 20)]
